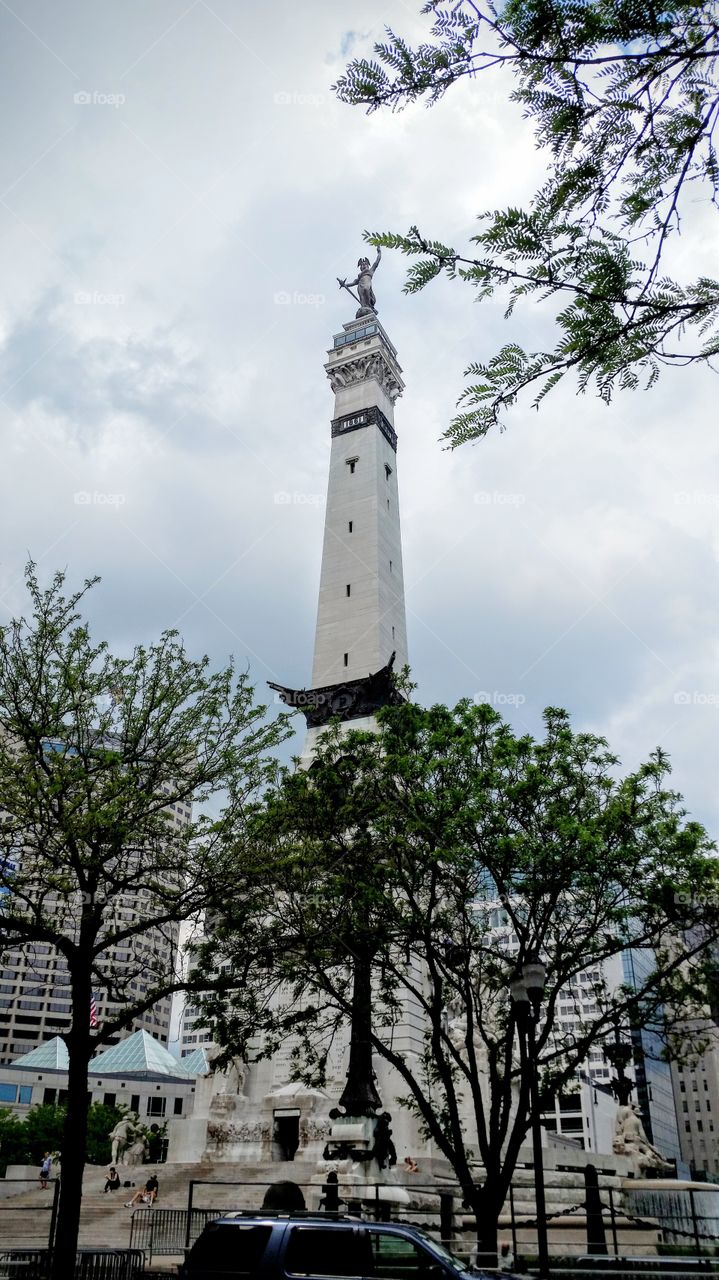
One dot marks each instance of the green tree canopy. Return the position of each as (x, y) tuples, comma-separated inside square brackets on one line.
[(624, 101), (443, 852), (96, 751)]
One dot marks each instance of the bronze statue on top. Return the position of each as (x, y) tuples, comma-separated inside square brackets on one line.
[(363, 282)]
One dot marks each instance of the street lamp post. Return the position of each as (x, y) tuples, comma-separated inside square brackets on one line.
[(527, 989)]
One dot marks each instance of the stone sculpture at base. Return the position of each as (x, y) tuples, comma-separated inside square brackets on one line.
[(631, 1140), (128, 1140)]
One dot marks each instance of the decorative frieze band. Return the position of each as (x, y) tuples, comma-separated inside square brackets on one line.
[(365, 418)]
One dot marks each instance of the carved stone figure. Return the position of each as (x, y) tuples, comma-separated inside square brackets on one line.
[(457, 1031), (631, 1140), (136, 1152), (363, 282), (227, 1086), (125, 1133), (232, 1079)]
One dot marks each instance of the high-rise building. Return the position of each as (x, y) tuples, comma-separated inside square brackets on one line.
[(696, 1095), (34, 992)]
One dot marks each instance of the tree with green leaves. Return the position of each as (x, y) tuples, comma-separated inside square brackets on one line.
[(624, 101), (440, 854), (96, 751), (25, 1139)]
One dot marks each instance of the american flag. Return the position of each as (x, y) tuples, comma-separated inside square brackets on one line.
[(93, 1010)]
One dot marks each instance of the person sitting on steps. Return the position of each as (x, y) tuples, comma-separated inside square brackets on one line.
[(147, 1194)]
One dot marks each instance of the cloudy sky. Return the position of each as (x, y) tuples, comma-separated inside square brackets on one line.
[(178, 192)]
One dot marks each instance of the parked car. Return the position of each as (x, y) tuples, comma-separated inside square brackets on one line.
[(260, 1246)]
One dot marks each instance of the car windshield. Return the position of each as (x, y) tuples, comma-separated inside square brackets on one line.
[(457, 1263)]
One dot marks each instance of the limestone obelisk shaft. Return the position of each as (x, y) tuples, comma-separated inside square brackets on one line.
[(361, 611)]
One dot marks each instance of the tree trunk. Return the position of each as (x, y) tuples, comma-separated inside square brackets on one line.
[(74, 1143), (486, 1212)]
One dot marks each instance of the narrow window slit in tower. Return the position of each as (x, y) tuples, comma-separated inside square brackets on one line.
[(387, 471), (349, 525), (349, 588), (351, 463), (347, 659), (390, 566), (393, 633)]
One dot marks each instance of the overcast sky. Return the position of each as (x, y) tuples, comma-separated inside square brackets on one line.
[(179, 190)]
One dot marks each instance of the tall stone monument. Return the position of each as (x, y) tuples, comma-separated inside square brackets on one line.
[(361, 629), (361, 636)]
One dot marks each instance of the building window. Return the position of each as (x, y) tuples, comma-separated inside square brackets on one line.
[(8, 1092), (390, 566), (135, 1102), (387, 471), (349, 526), (156, 1106), (351, 463), (25, 1095), (348, 589), (347, 659), (178, 1106), (393, 633)]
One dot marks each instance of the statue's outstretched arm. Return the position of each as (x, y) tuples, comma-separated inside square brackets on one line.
[(375, 264)]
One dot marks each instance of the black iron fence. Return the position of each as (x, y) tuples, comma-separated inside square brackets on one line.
[(616, 1224), (90, 1264), (167, 1232)]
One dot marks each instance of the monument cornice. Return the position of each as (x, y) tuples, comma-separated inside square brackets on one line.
[(347, 700), (350, 370)]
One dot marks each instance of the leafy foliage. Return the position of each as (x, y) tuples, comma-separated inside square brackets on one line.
[(444, 851), (96, 752), (25, 1139), (624, 102)]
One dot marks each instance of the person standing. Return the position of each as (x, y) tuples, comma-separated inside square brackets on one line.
[(45, 1171)]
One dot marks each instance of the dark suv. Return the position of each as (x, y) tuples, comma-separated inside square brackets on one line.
[(259, 1246)]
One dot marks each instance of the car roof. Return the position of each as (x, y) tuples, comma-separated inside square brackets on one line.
[(285, 1215), (306, 1217)]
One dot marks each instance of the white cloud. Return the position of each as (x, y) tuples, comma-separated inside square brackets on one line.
[(145, 353)]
